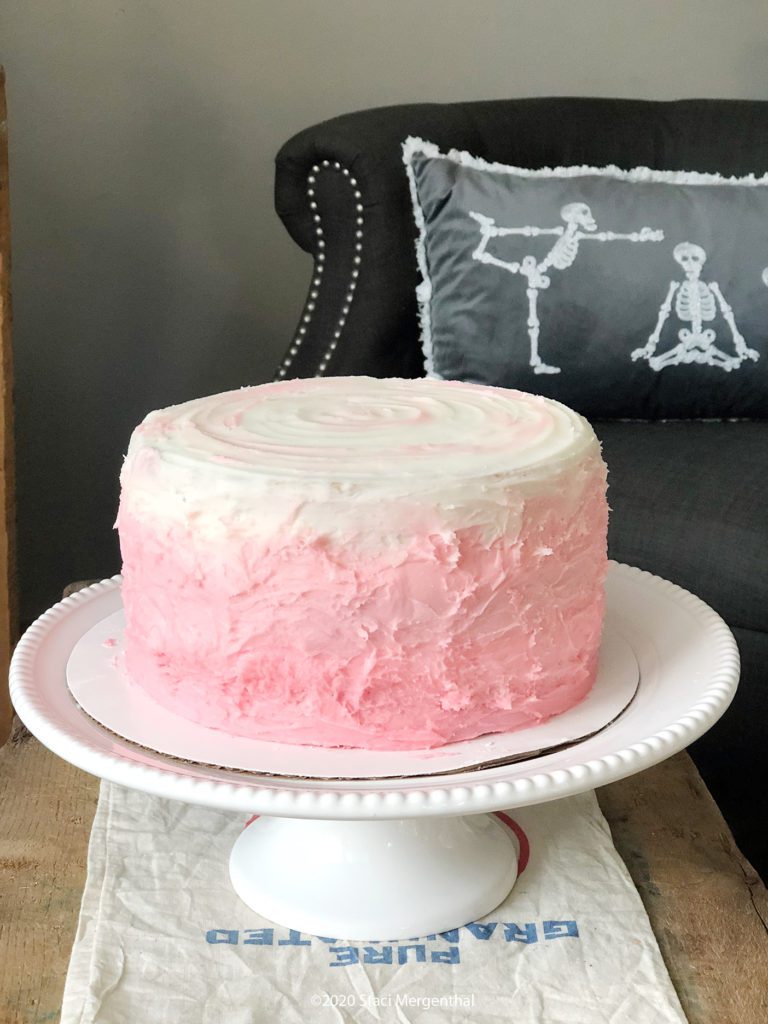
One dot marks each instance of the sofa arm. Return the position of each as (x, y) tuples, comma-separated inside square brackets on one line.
[(342, 194)]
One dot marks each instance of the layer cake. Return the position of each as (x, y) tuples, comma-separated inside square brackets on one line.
[(369, 563)]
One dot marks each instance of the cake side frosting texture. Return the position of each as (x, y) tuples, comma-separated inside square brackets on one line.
[(358, 562)]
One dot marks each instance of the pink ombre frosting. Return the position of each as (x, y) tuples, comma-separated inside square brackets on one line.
[(356, 562)]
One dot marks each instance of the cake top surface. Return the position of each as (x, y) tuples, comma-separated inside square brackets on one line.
[(360, 428)]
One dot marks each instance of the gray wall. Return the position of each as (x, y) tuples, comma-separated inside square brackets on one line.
[(149, 266)]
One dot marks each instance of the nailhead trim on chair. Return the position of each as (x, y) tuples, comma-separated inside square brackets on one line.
[(309, 307)]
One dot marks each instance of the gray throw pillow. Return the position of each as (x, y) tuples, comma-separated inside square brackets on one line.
[(624, 293)]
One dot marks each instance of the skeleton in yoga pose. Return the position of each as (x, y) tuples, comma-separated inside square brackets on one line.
[(580, 226), (696, 303)]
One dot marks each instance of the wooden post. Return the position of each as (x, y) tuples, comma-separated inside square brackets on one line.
[(8, 607)]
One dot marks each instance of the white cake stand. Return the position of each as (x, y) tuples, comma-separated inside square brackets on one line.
[(397, 857)]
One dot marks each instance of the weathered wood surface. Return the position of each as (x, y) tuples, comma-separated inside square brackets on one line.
[(46, 810), (8, 614), (707, 907)]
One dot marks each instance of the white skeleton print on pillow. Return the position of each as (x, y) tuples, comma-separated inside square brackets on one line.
[(696, 303), (580, 226)]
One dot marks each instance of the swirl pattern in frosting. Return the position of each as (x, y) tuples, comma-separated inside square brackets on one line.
[(357, 426), (352, 561)]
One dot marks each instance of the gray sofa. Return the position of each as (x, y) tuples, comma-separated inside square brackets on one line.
[(688, 497)]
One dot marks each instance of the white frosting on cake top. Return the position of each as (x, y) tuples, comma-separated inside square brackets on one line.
[(320, 453)]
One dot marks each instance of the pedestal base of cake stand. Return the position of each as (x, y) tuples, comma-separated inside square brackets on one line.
[(365, 880)]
